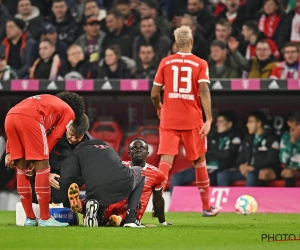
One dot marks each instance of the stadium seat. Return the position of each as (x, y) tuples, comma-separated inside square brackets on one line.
[(150, 134), (240, 183), (11, 185), (109, 131), (180, 163)]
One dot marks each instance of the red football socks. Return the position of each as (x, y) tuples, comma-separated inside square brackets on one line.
[(202, 182), (43, 194), (165, 167), (24, 190)]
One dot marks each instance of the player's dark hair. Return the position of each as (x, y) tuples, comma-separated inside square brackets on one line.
[(136, 139), (294, 116), (260, 116), (80, 125), (229, 115), (148, 18), (74, 101)]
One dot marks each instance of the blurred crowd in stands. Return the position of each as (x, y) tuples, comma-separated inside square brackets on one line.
[(82, 39)]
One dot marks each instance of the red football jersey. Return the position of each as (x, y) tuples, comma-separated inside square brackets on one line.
[(180, 74), (50, 111), (155, 179)]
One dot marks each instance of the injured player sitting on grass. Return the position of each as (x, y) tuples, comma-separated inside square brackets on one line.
[(115, 214)]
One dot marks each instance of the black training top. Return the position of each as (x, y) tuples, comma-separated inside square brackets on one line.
[(105, 177)]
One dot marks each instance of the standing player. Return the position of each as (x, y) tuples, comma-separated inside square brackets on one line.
[(154, 183), (185, 78), (33, 127)]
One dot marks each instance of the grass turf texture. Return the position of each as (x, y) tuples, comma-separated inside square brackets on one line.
[(190, 231)]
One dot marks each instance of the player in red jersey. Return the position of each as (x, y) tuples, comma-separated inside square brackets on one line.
[(154, 183), (33, 127), (185, 79)]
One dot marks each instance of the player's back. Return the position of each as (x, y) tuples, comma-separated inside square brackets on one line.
[(41, 106), (180, 75)]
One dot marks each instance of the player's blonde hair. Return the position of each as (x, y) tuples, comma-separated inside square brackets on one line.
[(183, 36)]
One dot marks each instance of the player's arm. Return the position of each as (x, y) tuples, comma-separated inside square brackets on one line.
[(159, 205), (205, 99), (157, 87)]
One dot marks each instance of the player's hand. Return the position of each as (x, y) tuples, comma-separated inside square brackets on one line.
[(54, 183), (166, 223), (9, 163), (205, 129), (29, 171)]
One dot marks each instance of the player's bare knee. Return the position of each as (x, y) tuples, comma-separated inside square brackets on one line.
[(22, 163), (40, 164), (200, 159)]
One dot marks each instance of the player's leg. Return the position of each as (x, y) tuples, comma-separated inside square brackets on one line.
[(17, 154), (168, 148), (35, 143), (134, 198), (196, 147)]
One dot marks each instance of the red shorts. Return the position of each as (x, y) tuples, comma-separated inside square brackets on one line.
[(26, 137), (169, 141)]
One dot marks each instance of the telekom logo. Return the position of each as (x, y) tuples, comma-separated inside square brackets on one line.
[(24, 84), (245, 84), (219, 196), (134, 84), (79, 84)]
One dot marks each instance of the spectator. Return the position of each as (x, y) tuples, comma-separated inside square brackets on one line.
[(147, 63), (200, 46), (6, 73), (152, 35), (252, 35), (258, 160), (76, 67), (293, 23), (47, 66), (4, 16), (223, 30), (234, 13), (64, 21), (91, 41), (290, 150), (118, 33), (131, 16), (43, 5), (271, 22), (264, 62), (223, 148), (31, 16), (150, 8), (91, 8), (290, 67), (17, 47), (49, 32), (204, 15), (113, 66), (220, 63)]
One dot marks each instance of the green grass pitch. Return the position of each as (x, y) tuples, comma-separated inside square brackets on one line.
[(227, 231)]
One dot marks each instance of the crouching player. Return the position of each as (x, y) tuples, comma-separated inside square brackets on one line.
[(154, 183), (107, 181)]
